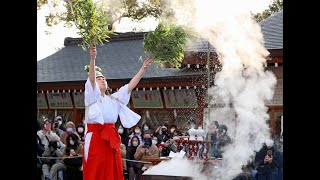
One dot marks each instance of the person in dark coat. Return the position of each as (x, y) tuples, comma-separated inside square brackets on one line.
[(223, 140), (268, 162), (131, 150), (123, 132), (213, 137)]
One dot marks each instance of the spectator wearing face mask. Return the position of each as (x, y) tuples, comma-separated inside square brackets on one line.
[(73, 164), (70, 129), (268, 161), (123, 132), (145, 149), (166, 125), (214, 125), (136, 132), (145, 127), (56, 128), (170, 145), (131, 150), (172, 129), (62, 123), (155, 141), (80, 131), (45, 131), (223, 140), (51, 167), (161, 134)]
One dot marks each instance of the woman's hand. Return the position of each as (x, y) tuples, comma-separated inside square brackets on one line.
[(72, 152), (93, 53), (142, 150), (135, 80), (92, 71), (147, 62)]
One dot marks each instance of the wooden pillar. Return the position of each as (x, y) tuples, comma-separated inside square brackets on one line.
[(272, 124), (201, 103), (74, 114)]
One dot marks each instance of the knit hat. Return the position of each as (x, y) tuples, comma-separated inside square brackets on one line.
[(70, 123)]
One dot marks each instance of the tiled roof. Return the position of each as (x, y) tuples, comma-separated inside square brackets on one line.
[(272, 30), (119, 60)]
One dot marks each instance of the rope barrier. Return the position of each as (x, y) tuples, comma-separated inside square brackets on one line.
[(63, 157)]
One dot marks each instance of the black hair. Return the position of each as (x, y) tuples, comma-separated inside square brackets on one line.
[(216, 123), (173, 126), (222, 128), (55, 125), (74, 137), (146, 123), (166, 124), (81, 125)]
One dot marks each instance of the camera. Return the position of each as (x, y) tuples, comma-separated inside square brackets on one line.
[(56, 125), (53, 144), (269, 153), (146, 146)]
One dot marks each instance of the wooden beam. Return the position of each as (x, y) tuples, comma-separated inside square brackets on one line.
[(275, 60), (144, 83), (275, 56)]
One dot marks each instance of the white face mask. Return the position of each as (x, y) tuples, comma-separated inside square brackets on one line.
[(137, 131), (80, 130), (154, 142), (146, 128), (135, 143), (71, 142), (175, 138), (69, 130), (172, 130), (120, 131)]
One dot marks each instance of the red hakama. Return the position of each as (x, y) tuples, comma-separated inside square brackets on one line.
[(104, 158)]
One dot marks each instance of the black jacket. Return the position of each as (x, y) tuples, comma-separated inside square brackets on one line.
[(264, 168)]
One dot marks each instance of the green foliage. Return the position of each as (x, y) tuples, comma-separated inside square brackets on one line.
[(276, 6), (90, 21), (87, 68), (167, 43), (40, 3), (129, 8), (147, 8)]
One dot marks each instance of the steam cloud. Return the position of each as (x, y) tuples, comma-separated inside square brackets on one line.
[(242, 86), (176, 167)]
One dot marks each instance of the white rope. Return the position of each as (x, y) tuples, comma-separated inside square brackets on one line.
[(144, 162), (117, 99), (63, 157)]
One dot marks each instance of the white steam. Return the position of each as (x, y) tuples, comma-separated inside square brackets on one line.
[(176, 167), (242, 85)]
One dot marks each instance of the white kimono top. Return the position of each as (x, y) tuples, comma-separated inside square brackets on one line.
[(104, 109)]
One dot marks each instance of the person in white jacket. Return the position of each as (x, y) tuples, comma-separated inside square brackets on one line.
[(53, 148)]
